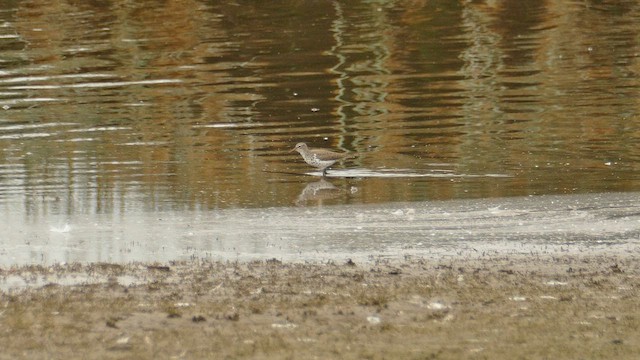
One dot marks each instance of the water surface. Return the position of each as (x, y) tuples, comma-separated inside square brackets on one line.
[(433, 231), (116, 109)]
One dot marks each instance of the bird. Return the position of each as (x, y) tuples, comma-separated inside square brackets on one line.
[(320, 158)]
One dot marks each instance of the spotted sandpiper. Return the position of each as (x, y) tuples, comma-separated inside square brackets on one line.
[(320, 158)]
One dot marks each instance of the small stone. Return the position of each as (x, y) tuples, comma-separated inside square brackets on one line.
[(350, 263), (232, 316), (198, 318), (112, 324), (374, 320)]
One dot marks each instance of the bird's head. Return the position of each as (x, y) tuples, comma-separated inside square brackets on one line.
[(299, 147)]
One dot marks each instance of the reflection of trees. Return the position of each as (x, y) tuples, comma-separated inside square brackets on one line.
[(479, 86), (119, 43), (362, 76), (556, 88)]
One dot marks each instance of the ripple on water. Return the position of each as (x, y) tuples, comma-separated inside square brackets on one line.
[(401, 173), (105, 84)]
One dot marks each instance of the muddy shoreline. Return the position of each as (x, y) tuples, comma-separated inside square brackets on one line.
[(514, 306)]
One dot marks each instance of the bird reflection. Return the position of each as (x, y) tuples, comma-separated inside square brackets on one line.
[(318, 191)]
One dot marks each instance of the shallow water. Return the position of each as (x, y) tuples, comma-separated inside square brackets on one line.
[(116, 110), (432, 230)]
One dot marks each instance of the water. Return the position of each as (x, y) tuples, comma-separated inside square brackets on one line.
[(113, 110), (433, 230)]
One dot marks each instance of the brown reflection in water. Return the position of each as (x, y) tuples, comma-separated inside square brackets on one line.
[(192, 104)]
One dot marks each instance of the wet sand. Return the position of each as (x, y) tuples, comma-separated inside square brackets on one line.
[(495, 307)]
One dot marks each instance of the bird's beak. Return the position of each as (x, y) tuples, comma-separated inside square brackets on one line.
[(292, 150)]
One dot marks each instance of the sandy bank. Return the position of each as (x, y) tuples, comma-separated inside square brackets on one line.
[(561, 306)]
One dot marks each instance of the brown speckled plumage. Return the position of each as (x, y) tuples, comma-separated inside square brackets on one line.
[(319, 158)]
